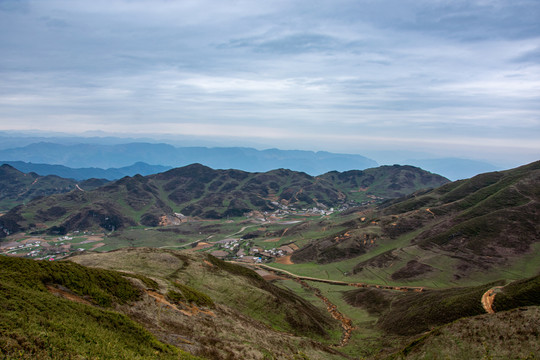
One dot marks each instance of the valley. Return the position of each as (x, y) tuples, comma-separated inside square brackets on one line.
[(343, 269)]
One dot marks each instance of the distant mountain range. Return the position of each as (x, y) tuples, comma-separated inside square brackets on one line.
[(246, 159), (110, 153), (87, 173), (200, 191)]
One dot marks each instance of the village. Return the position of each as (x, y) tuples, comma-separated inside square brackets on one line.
[(49, 248), (230, 247), (243, 250)]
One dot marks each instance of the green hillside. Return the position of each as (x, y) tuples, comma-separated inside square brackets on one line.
[(234, 313), (445, 236), (19, 188), (36, 324), (200, 192)]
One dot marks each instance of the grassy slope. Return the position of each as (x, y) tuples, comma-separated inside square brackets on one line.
[(199, 191), (251, 316), (507, 335), (38, 325), (453, 233)]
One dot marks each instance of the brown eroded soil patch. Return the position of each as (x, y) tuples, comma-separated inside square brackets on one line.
[(268, 276), (285, 260), (189, 310), (201, 245), (488, 298), (208, 263), (66, 295), (272, 240)]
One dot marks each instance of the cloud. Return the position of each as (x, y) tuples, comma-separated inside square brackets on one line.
[(397, 73)]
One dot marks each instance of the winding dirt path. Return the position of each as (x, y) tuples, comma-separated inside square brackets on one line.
[(346, 323), (66, 295), (488, 298), (342, 283)]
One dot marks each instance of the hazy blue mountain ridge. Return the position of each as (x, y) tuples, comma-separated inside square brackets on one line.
[(140, 168), (246, 159)]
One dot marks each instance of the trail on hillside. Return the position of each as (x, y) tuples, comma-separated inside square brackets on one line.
[(342, 283), (488, 298), (346, 323)]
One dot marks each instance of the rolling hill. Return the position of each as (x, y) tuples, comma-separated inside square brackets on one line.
[(457, 231), (17, 187), (163, 304), (152, 303), (199, 191), (418, 272)]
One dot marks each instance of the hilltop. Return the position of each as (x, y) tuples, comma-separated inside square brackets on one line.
[(161, 302), (199, 191), (17, 187), (457, 231)]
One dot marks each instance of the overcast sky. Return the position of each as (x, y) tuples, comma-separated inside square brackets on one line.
[(449, 77)]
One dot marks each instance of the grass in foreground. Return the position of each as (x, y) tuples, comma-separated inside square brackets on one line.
[(34, 324)]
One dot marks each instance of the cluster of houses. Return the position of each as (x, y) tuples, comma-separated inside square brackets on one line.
[(43, 249), (26, 247), (319, 210), (243, 251)]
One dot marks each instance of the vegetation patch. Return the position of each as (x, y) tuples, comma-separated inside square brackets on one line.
[(101, 287), (508, 335), (35, 324), (190, 295), (412, 312), (519, 293), (412, 269)]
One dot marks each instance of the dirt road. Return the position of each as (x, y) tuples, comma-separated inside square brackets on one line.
[(343, 283), (346, 323)]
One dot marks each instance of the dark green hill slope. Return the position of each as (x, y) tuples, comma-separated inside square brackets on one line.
[(17, 187), (248, 317), (36, 324), (506, 335), (493, 214), (198, 191), (489, 221), (63, 310), (384, 181)]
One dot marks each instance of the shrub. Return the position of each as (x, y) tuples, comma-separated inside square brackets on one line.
[(189, 295)]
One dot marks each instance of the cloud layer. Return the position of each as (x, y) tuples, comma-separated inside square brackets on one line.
[(448, 77)]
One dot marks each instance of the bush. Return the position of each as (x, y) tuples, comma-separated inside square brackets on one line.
[(189, 295)]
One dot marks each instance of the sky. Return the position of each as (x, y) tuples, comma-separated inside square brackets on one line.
[(439, 78)]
